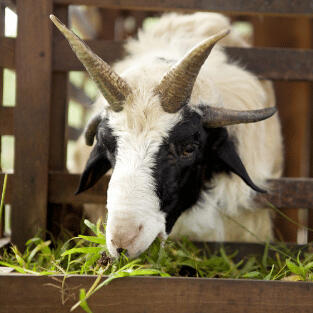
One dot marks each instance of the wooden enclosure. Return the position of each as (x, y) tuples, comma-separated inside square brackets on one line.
[(41, 184), (42, 60)]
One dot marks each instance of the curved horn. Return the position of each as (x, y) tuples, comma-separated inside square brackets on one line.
[(218, 117), (176, 86), (111, 85), (91, 129)]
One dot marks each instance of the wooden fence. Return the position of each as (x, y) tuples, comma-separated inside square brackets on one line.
[(42, 60)]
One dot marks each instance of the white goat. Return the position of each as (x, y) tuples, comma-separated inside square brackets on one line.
[(155, 135)]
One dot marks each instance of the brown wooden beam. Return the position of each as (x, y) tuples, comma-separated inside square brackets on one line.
[(2, 119), (11, 4), (31, 119), (270, 63), (277, 7), (37, 294), (284, 192), (7, 52), (6, 121)]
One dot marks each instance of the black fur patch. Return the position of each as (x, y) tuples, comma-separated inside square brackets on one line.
[(101, 159), (190, 155)]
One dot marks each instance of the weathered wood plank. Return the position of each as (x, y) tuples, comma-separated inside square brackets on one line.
[(290, 193), (65, 60), (59, 108), (2, 28), (272, 7), (32, 119), (11, 4), (6, 120), (62, 187), (74, 133), (285, 192), (270, 63), (155, 295), (7, 52)]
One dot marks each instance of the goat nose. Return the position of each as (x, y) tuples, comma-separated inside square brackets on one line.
[(120, 250)]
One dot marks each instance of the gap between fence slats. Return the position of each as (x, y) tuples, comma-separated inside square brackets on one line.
[(278, 7)]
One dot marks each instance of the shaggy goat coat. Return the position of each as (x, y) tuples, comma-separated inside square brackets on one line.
[(226, 208)]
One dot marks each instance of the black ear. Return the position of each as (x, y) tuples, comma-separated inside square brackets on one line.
[(226, 153), (97, 165)]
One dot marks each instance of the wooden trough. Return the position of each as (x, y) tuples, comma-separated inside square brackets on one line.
[(38, 294), (40, 179)]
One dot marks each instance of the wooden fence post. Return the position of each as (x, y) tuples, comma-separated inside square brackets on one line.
[(2, 25), (293, 101), (32, 119)]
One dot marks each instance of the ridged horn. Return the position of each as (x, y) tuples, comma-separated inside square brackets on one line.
[(110, 84), (91, 129), (176, 86), (218, 117)]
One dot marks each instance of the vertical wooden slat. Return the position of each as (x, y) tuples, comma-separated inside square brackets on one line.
[(293, 101), (32, 118), (2, 28), (58, 127), (59, 107), (310, 213)]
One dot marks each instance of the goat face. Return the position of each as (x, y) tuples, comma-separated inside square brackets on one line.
[(158, 171), (160, 149)]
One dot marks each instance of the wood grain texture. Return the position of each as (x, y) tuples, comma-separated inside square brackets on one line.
[(270, 63), (285, 192), (11, 4), (7, 52), (271, 7), (6, 120), (2, 117), (59, 107), (155, 295), (32, 119)]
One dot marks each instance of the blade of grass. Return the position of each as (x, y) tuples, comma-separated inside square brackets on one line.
[(4, 188)]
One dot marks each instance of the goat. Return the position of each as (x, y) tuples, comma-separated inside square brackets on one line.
[(178, 129)]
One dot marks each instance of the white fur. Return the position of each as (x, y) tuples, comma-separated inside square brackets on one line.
[(142, 125)]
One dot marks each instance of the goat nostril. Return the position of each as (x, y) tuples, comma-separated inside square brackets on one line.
[(140, 227), (119, 250)]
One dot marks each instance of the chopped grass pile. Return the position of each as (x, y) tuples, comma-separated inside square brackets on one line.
[(87, 254)]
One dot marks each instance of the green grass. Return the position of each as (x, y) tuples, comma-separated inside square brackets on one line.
[(87, 254)]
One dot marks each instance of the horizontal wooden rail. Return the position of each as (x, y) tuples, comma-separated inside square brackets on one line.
[(74, 133), (283, 193), (7, 52), (269, 7), (270, 63), (11, 4), (36, 294), (6, 121), (7, 124)]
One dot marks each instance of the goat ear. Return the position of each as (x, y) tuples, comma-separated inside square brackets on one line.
[(226, 152), (97, 165)]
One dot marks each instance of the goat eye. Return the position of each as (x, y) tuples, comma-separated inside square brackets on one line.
[(188, 150)]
